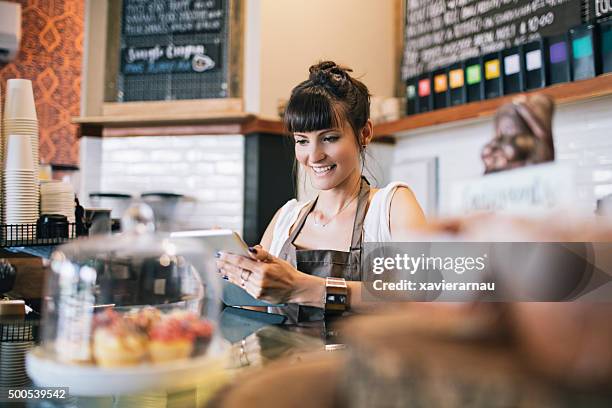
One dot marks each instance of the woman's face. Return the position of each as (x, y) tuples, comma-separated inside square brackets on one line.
[(329, 156)]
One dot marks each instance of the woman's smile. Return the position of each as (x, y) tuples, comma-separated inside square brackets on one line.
[(323, 171)]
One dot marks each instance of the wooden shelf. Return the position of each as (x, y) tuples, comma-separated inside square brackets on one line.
[(177, 125), (185, 125), (561, 93)]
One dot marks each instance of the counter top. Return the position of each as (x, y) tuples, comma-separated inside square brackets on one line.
[(404, 358), (254, 344)]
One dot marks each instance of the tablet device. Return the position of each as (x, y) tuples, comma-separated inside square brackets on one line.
[(217, 240), (227, 241)]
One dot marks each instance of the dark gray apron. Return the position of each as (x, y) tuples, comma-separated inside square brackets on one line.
[(324, 262)]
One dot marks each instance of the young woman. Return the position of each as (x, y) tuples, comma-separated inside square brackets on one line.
[(307, 242)]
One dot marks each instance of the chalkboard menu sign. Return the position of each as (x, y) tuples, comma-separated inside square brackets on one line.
[(438, 33), (173, 49), (598, 10)]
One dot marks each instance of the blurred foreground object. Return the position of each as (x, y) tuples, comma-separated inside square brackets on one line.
[(567, 341), (523, 134), (310, 383), (604, 206), (8, 274), (128, 313), (396, 361), (422, 355)]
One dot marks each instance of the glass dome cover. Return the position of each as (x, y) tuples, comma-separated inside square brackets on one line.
[(132, 299)]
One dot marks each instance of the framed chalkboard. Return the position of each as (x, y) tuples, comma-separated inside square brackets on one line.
[(163, 50), (598, 10), (438, 33)]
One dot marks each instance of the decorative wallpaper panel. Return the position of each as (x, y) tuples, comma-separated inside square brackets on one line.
[(51, 56)]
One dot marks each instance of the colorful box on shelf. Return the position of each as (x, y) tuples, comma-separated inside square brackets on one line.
[(606, 46), (534, 63), (584, 42), (581, 53), (557, 58), (493, 87), (412, 101), (425, 93), (440, 85), (456, 84), (513, 70), (474, 80)]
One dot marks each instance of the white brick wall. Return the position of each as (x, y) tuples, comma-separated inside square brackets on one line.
[(207, 168), (583, 137)]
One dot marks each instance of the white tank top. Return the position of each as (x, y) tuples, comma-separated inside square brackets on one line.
[(375, 225)]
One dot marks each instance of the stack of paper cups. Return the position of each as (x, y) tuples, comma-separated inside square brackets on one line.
[(19, 118), (20, 186), (57, 197), (20, 115), (1, 167)]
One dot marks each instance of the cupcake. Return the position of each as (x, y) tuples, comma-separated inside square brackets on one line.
[(177, 336), (170, 341), (145, 318), (117, 342)]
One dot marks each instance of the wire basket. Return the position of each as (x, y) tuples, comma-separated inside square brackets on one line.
[(19, 235), (19, 330)]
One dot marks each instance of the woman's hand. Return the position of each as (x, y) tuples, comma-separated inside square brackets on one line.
[(247, 352), (271, 279)]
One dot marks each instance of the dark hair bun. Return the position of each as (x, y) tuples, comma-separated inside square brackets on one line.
[(331, 76)]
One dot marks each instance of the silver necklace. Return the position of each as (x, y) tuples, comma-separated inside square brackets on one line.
[(344, 207)]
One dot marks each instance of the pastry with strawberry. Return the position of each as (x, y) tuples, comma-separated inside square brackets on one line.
[(117, 342)]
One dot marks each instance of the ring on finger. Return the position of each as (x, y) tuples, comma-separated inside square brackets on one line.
[(244, 279), (243, 355)]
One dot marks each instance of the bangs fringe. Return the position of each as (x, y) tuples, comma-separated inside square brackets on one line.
[(312, 111)]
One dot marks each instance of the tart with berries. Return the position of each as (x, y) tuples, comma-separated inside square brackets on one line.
[(117, 342)]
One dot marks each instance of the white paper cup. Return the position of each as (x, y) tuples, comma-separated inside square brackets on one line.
[(21, 120), (19, 103), (19, 153), (18, 120)]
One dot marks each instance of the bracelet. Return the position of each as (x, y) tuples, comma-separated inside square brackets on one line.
[(336, 296)]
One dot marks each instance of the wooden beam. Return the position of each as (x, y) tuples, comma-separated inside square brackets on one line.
[(185, 125), (177, 130), (259, 125), (178, 119), (170, 109)]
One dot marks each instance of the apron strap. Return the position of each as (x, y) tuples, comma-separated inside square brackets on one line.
[(362, 208), (286, 252), (302, 221)]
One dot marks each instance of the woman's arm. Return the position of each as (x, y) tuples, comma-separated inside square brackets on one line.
[(275, 280), (278, 281), (405, 214)]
